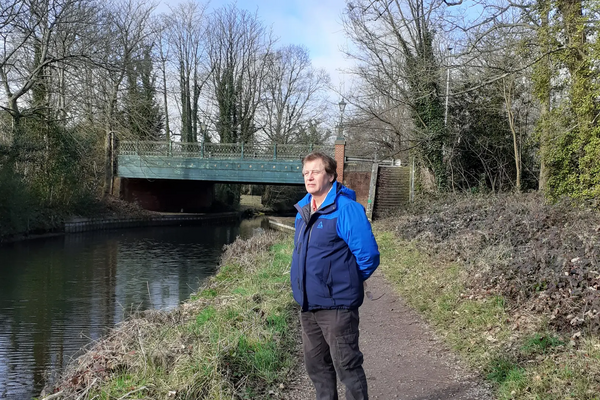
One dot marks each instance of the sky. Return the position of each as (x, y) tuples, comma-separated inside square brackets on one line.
[(314, 24)]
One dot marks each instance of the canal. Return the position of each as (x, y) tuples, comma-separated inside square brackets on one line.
[(59, 294)]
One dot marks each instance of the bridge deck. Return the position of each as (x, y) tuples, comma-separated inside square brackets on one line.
[(217, 162)]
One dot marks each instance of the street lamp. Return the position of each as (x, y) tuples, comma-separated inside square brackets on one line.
[(342, 105)]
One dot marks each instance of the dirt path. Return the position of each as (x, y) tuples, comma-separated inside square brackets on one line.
[(403, 359)]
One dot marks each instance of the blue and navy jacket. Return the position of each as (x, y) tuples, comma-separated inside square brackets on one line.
[(335, 252)]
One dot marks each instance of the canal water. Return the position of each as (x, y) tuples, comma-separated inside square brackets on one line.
[(59, 294)]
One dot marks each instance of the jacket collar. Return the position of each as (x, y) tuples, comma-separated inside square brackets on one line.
[(331, 195), (303, 206), (329, 199)]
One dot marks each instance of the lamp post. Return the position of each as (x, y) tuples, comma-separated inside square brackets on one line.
[(340, 144), (342, 105)]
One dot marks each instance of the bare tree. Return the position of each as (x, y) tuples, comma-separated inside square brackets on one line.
[(162, 46), (238, 45), (397, 62), (508, 87), (126, 32), (34, 34), (291, 94), (381, 128), (186, 37)]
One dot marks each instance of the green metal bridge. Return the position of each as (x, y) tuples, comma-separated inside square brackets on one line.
[(216, 162)]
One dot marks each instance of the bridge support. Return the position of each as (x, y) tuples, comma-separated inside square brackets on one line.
[(169, 195)]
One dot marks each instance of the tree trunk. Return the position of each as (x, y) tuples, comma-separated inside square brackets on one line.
[(109, 162), (511, 124), (164, 76), (544, 82)]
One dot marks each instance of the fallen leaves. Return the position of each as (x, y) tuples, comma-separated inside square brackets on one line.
[(528, 251)]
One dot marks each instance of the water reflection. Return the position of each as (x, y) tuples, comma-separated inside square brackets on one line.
[(58, 294)]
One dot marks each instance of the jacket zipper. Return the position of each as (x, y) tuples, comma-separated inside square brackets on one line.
[(300, 238), (302, 266), (308, 240)]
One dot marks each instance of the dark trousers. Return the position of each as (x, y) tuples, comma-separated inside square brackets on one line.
[(330, 343)]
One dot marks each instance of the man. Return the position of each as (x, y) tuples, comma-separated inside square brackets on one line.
[(335, 252)]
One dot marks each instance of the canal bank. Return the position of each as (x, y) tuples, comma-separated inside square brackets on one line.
[(282, 224), (135, 220), (232, 339), (58, 294), (77, 224)]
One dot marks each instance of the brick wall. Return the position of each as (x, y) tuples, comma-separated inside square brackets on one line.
[(357, 176), (340, 147)]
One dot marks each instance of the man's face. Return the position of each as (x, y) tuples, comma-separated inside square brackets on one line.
[(317, 181)]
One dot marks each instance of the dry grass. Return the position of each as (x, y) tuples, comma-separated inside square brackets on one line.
[(251, 201), (231, 341)]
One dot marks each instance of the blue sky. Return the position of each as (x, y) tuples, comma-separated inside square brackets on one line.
[(315, 24)]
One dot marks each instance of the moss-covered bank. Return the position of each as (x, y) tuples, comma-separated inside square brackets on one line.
[(23, 217)]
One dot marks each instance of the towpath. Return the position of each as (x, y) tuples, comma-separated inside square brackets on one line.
[(403, 358)]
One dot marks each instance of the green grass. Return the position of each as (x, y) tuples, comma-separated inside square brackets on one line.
[(541, 343), (235, 339), (472, 327), (206, 315), (523, 362), (503, 370), (124, 386), (206, 293)]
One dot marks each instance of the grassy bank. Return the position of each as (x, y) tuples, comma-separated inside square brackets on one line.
[(463, 270), (514, 347), (235, 339)]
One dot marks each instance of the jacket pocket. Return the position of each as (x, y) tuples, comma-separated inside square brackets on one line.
[(349, 355), (354, 275), (329, 278), (316, 280)]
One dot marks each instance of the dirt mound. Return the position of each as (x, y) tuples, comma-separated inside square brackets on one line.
[(113, 207), (539, 256)]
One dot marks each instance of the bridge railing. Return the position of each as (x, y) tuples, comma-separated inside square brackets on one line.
[(147, 148), (221, 151)]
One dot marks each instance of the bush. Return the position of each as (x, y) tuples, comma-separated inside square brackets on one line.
[(16, 208)]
